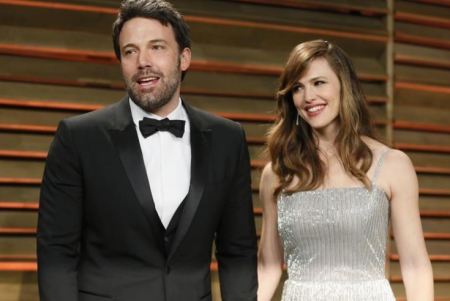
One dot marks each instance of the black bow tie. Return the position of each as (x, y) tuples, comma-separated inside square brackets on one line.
[(149, 126)]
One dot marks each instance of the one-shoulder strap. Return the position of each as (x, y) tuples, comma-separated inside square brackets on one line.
[(378, 166)]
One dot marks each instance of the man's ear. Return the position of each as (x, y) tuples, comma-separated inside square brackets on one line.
[(185, 59)]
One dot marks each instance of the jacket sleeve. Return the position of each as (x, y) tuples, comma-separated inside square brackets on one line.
[(236, 242), (59, 221)]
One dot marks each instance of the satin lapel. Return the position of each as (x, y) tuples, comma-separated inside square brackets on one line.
[(199, 163), (126, 141)]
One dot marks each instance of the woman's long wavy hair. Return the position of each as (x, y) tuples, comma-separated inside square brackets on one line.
[(293, 149)]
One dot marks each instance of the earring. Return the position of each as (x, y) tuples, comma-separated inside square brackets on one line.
[(296, 121)]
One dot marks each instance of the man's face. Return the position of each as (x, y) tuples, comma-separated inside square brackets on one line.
[(152, 64)]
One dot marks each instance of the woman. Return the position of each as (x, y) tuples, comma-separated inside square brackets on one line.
[(329, 188)]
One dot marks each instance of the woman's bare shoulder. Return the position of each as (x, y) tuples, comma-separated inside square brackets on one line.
[(268, 176), (397, 162), (393, 158), (376, 147)]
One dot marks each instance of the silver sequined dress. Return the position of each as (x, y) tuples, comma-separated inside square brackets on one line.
[(334, 243)]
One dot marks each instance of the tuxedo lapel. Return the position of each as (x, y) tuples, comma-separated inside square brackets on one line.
[(199, 163), (124, 137)]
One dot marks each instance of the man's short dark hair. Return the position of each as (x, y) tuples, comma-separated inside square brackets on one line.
[(160, 10)]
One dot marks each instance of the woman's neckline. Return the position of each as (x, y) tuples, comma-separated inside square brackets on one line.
[(325, 190)]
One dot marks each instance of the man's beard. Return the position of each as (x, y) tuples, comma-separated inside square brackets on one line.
[(160, 96)]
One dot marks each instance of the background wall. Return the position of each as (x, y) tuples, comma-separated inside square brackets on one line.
[(56, 60)]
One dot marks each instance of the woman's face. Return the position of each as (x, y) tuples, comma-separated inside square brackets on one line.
[(317, 96)]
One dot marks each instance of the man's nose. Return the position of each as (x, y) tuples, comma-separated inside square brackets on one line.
[(144, 59)]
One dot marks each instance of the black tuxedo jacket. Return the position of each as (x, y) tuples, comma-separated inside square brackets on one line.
[(98, 235)]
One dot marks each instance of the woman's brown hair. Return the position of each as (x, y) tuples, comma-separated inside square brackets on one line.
[(293, 148)]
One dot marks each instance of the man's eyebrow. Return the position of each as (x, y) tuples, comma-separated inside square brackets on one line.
[(151, 42), (128, 45), (158, 41)]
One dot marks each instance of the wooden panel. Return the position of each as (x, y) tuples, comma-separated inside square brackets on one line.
[(23, 193), (82, 95), (432, 76), (423, 10), (229, 104), (441, 3), (436, 225), (30, 116), (17, 286), (66, 15), (374, 8), (210, 33), (416, 137), (21, 168), (51, 37), (440, 269), (434, 247), (419, 55), (440, 290), (434, 203), (49, 66), (17, 246), (283, 14), (14, 219), (91, 74), (51, 17), (21, 141), (51, 69), (422, 63), (436, 181), (413, 105), (421, 35)]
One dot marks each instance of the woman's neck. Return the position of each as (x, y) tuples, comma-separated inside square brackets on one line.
[(327, 143)]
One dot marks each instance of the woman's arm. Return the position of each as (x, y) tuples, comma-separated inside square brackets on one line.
[(270, 255), (415, 264)]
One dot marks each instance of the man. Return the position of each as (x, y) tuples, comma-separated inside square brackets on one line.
[(134, 195)]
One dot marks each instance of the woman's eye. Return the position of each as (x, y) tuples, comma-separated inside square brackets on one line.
[(319, 82), (296, 88)]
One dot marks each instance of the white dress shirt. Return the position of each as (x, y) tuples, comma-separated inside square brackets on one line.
[(167, 162)]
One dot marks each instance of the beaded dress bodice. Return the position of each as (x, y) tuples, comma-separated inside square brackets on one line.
[(334, 243)]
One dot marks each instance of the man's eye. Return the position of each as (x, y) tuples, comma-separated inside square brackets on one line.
[(129, 51)]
